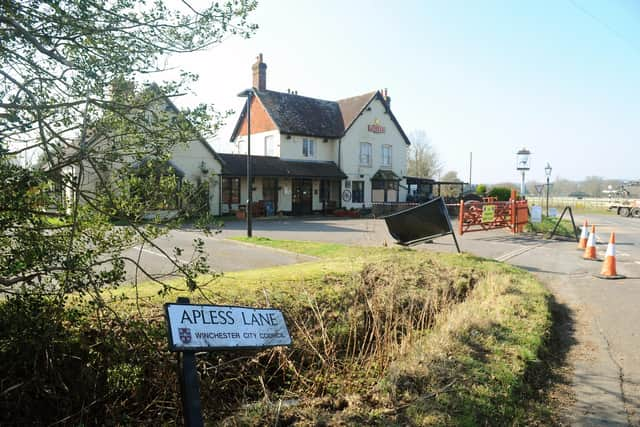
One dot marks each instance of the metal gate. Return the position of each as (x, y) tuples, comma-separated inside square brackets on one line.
[(491, 214)]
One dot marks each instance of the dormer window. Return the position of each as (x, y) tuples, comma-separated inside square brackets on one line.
[(308, 148)]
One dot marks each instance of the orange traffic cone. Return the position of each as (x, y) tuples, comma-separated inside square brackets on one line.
[(590, 250), (584, 235), (609, 266)]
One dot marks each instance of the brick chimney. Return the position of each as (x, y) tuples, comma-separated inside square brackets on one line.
[(259, 74), (387, 98)]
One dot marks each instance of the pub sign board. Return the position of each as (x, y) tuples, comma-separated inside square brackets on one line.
[(196, 327)]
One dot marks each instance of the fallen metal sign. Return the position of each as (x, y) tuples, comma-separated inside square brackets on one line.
[(421, 223), (212, 327)]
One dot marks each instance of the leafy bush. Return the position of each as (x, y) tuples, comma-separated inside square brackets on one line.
[(481, 189), (502, 193)]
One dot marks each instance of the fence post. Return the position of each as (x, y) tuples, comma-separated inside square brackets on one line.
[(514, 214), (461, 218)]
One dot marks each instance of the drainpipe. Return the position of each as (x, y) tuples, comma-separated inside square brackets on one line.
[(220, 193), (339, 167)]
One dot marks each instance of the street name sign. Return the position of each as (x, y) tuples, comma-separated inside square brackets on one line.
[(212, 327)]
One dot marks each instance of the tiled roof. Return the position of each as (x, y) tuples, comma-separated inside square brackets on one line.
[(301, 115), (236, 165), (385, 175), (352, 107)]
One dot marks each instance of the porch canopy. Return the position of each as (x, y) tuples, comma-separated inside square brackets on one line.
[(236, 165), (420, 189), (300, 175), (385, 186)]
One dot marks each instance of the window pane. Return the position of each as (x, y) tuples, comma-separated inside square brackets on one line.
[(386, 155), (357, 191), (226, 190), (269, 146), (365, 153), (235, 190), (308, 148)]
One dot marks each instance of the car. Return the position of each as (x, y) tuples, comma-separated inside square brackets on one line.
[(578, 194)]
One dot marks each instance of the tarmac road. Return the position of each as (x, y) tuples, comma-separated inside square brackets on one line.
[(223, 255), (605, 319)]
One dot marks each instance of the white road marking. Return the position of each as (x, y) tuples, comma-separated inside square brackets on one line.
[(517, 252), (149, 251)]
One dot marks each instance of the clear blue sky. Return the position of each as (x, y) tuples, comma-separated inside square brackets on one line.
[(560, 77)]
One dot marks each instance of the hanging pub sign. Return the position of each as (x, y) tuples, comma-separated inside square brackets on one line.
[(376, 127), (212, 327)]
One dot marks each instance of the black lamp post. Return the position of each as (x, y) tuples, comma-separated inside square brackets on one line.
[(248, 93), (547, 172)]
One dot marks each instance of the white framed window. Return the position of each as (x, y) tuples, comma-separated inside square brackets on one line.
[(269, 146), (386, 155), (242, 146), (308, 147), (365, 154)]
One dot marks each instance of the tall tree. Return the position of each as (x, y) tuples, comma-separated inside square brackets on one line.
[(450, 190), (72, 76), (423, 160)]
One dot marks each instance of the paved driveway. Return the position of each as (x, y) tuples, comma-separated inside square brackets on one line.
[(223, 255)]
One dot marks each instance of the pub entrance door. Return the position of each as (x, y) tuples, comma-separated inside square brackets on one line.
[(302, 196)]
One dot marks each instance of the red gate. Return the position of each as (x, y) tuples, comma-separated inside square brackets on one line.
[(491, 214)]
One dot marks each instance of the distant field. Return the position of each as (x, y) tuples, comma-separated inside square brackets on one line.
[(591, 204)]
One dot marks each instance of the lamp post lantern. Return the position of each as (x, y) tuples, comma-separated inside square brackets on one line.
[(523, 166), (248, 93), (547, 172)]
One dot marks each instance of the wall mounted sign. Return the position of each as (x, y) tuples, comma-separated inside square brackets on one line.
[(346, 195), (488, 213), (212, 327), (376, 127)]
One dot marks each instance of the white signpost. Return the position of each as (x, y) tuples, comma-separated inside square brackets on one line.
[(197, 327), (212, 327), (536, 214)]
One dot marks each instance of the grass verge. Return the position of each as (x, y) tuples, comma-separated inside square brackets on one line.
[(381, 337), (565, 228)]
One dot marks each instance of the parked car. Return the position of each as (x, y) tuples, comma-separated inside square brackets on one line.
[(578, 194)]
